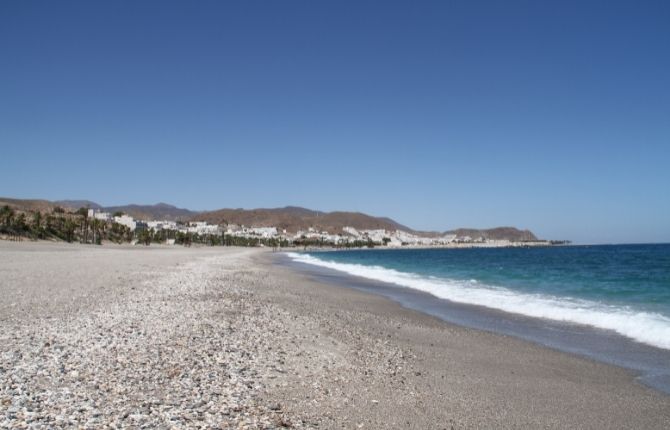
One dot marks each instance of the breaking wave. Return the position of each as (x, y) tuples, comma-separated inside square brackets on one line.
[(646, 327)]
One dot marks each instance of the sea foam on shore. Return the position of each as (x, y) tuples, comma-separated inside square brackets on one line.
[(647, 327)]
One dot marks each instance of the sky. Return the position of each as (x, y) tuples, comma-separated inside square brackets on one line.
[(552, 116)]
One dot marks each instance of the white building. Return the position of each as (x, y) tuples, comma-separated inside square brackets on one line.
[(448, 238), (252, 232), (265, 232), (102, 216), (352, 231), (126, 220), (201, 227), (162, 225)]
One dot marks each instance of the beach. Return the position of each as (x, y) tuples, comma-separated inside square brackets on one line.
[(212, 337)]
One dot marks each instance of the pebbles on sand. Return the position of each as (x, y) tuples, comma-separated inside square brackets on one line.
[(185, 347)]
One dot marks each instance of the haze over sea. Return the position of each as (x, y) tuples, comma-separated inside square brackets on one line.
[(622, 288)]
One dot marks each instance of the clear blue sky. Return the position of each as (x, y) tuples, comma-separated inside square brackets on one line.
[(548, 115)]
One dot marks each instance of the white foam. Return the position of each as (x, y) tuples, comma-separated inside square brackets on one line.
[(646, 327)]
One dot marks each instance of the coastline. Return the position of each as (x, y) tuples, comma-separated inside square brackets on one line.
[(227, 337), (651, 364), (472, 377), (454, 245)]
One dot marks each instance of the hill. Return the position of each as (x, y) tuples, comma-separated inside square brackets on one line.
[(27, 204), (76, 204), (498, 233), (290, 218), (293, 218), (159, 211)]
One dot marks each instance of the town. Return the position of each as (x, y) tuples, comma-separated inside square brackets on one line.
[(20, 221), (176, 232)]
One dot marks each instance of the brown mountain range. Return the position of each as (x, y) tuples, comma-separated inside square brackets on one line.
[(159, 211), (27, 205), (498, 233), (289, 218), (293, 219)]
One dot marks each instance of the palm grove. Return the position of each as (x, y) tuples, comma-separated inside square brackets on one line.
[(77, 226)]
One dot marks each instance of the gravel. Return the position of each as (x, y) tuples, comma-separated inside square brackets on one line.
[(168, 337), (183, 347)]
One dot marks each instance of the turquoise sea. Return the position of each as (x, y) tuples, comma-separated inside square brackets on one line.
[(624, 289)]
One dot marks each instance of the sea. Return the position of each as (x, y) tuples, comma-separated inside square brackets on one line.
[(607, 302)]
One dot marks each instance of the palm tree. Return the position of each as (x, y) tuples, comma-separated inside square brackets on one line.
[(95, 225), (20, 223), (84, 228), (6, 216), (70, 227), (37, 224)]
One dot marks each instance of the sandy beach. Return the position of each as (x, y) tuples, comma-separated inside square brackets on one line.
[(172, 337)]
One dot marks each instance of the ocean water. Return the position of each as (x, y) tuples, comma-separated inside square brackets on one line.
[(623, 289)]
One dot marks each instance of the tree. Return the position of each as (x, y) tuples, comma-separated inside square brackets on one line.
[(49, 223), (20, 222), (69, 228), (37, 225), (144, 236), (96, 225), (6, 216), (84, 229)]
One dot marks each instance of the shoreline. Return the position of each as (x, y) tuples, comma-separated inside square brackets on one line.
[(224, 338), (650, 364), (460, 245), (579, 389)]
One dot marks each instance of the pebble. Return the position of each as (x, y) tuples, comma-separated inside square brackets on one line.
[(199, 346), (185, 348)]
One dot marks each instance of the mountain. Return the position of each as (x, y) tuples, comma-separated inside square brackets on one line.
[(498, 233), (290, 218), (159, 211), (293, 218), (27, 204), (76, 204)]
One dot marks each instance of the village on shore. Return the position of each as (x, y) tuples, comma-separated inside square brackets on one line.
[(273, 236), (96, 226)]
